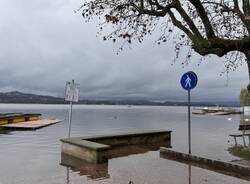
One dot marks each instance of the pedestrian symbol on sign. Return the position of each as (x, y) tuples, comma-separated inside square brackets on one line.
[(188, 82)]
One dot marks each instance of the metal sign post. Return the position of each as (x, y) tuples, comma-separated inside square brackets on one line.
[(189, 81), (71, 95), (70, 118), (189, 124)]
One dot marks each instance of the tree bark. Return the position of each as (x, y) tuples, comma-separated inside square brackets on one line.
[(247, 54)]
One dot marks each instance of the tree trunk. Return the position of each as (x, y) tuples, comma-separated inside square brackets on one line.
[(247, 54)]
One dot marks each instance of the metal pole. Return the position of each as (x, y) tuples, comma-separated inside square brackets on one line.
[(70, 111), (70, 117), (243, 137), (67, 179), (189, 125), (189, 174)]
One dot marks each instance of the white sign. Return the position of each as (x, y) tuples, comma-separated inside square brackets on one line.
[(72, 92), (246, 110)]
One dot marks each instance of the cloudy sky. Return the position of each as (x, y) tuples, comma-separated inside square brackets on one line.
[(43, 44)]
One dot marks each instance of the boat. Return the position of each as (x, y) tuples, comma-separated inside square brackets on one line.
[(216, 111)]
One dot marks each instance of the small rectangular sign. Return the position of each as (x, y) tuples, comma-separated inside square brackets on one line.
[(72, 92)]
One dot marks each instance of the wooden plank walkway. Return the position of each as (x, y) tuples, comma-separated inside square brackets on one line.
[(30, 125)]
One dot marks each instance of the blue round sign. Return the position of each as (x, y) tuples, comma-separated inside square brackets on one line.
[(189, 80)]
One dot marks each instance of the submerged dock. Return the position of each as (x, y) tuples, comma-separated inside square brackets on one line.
[(9, 118), (21, 121), (30, 125)]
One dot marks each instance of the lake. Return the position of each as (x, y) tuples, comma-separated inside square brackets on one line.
[(35, 156)]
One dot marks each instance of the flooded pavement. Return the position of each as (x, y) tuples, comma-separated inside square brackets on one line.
[(139, 169), (35, 156)]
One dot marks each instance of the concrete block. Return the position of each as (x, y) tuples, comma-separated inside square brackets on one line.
[(217, 165), (94, 149)]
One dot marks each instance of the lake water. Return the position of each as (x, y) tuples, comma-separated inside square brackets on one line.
[(35, 156)]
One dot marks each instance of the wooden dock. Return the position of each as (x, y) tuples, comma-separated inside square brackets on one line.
[(30, 125), (8, 118)]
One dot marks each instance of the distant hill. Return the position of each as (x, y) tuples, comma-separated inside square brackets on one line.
[(19, 97)]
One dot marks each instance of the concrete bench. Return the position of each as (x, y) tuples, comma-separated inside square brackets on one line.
[(243, 138), (94, 149)]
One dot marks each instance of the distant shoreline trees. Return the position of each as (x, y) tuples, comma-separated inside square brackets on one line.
[(244, 97)]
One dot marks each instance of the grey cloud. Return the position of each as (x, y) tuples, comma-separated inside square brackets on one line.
[(44, 43)]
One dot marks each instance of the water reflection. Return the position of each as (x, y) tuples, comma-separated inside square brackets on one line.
[(67, 178), (4, 132), (91, 171), (189, 174), (100, 171)]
